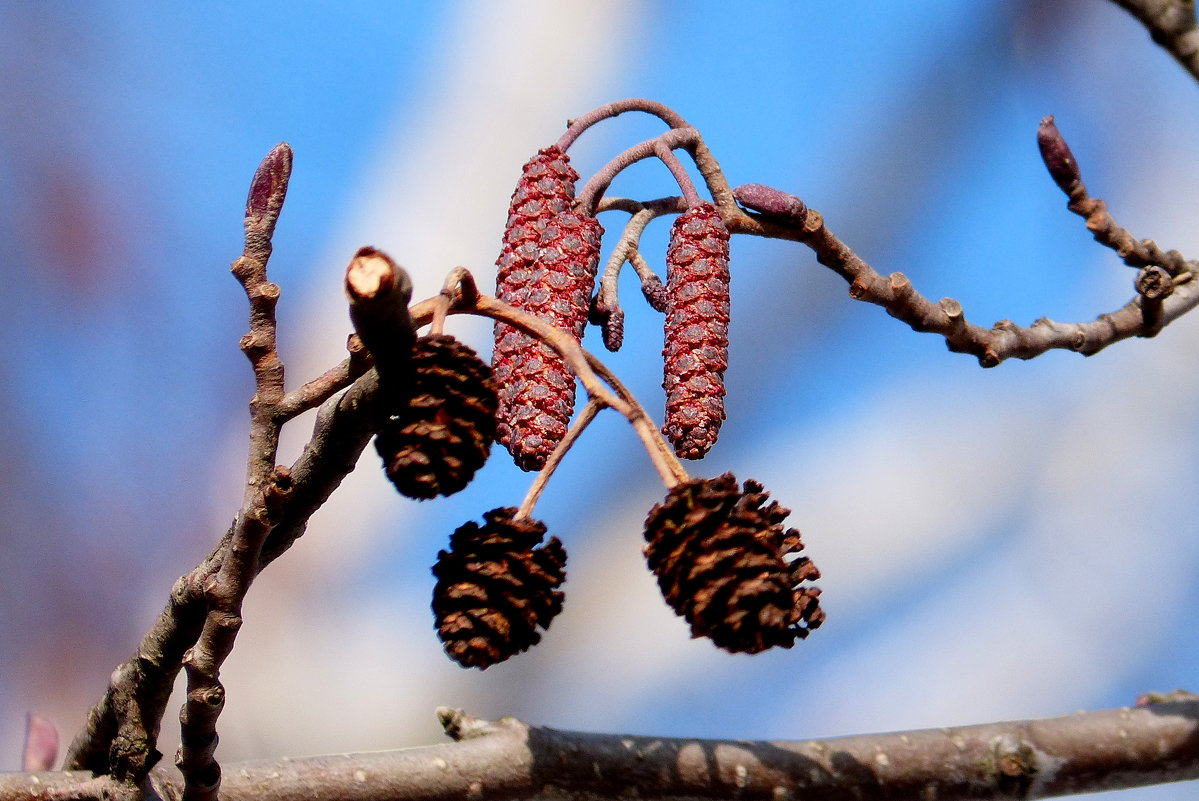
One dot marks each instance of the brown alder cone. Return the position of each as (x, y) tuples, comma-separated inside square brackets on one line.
[(725, 563), (496, 588), (441, 434), (697, 330), (547, 267)]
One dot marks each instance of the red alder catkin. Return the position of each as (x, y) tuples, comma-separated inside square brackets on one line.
[(697, 330), (546, 267)]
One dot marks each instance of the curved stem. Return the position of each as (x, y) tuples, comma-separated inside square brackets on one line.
[(593, 190), (586, 415), (576, 126), (591, 372)]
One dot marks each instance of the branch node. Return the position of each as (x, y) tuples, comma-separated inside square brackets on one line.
[(460, 726), (1154, 283)]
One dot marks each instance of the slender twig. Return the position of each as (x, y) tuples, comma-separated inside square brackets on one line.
[(315, 392), (669, 468), (606, 311), (686, 138), (202, 662), (1064, 169), (268, 189), (1172, 25), (575, 127), (627, 248), (895, 293), (580, 423)]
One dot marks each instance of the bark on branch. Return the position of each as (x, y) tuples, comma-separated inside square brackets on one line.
[(507, 759)]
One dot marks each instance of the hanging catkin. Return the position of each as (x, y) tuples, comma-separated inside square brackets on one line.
[(697, 330), (546, 267)]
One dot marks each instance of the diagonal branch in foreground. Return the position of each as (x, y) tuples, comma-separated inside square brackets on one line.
[(507, 759)]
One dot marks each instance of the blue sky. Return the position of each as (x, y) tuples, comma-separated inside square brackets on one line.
[(987, 549)]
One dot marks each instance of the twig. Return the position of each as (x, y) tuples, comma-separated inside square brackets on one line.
[(575, 127), (267, 192), (591, 372), (686, 138), (379, 291), (605, 307), (315, 392), (1005, 339), (224, 595), (584, 418), (1064, 169), (1172, 25)]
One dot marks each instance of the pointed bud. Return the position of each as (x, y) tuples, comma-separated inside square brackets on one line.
[(267, 191), (1057, 156)]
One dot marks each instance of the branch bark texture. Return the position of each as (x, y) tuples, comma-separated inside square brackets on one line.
[(508, 759)]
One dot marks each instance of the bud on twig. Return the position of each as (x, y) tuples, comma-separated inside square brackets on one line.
[(770, 202), (267, 191), (1057, 156)]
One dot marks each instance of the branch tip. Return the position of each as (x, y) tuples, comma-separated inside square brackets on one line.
[(1058, 158), (267, 192)]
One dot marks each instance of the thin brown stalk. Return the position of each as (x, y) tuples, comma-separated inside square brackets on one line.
[(686, 138), (580, 423), (575, 127)]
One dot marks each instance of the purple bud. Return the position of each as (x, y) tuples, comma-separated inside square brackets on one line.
[(1057, 156), (267, 191), (772, 203)]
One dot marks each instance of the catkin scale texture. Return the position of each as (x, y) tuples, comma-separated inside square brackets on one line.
[(696, 352), (547, 267)]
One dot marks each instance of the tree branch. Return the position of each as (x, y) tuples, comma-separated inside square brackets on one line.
[(506, 759), (1172, 25)]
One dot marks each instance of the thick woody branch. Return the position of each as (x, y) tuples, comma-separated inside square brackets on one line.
[(506, 759), (122, 728), (379, 291)]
